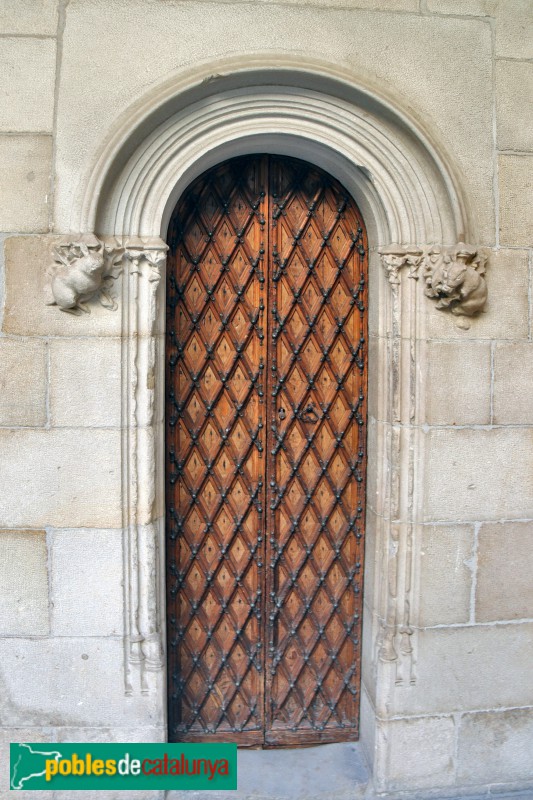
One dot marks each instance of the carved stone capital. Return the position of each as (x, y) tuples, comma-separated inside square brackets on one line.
[(454, 276), (146, 254), (85, 267), (395, 256)]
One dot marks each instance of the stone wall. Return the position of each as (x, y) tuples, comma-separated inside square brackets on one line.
[(457, 713)]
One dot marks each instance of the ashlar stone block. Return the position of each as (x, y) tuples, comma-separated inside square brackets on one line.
[(27, 66), (506, 314), (113, 734), (458, 383), (60, 478), (504, 587), (475, 8), (22, 382), (513, 379), (374, 5), (514, 29), (24, 605), (445, 574), (495, 747), (86, 583), (72, 682), (516, 199), (25, 163), (514, 104), (421, 753), (475, 667), (27, 259), (29, 17), (479, 474), (85, 382)]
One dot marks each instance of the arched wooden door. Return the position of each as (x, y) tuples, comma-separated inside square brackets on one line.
[(266, 447)]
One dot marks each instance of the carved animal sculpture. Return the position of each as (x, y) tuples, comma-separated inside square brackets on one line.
[(459, 283), (79, 279)]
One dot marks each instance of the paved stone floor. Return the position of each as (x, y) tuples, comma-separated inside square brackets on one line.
[(328, 772)]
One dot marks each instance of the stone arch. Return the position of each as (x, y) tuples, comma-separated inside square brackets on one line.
[(395, 171), (408, 192)]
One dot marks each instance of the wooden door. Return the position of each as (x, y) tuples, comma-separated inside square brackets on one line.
[(266, 449)]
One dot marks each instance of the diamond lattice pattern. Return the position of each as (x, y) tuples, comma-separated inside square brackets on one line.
[(266, 353)]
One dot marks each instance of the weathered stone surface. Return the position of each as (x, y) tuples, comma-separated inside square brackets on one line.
[(375, 432), (375, 348), (321, 773), (27, 91), (375, 5), (504, 587), (445, 577), (22, 382), (85, 382), (421, 753), (367, 649), (516, 199), (119, 795), (60, 478), (514, 29), (513, 379), (506, 311), (87, 564), (458, 383), (367, 726), (371, 551), (375, 288), (476, 8), (26, 261), (514, 92), (29, 17), (372, 44), (495, 747), (469, 667), (24, 182), (24, 582), (116, 53), (473, 474), (71, 682), (113, 734)]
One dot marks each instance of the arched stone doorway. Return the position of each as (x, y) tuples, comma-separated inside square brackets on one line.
[(407, 193)]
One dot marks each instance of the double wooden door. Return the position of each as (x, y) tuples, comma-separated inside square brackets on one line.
[(266, 441)]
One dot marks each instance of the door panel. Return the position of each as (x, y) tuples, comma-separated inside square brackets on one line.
[(317, 449), (266, 354), (215, 451)]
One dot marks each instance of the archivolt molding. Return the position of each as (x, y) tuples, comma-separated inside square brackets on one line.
[(405, 193), (391, 180), (198, 100)]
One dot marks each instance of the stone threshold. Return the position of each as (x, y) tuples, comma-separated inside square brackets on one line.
[(491, 793), (326, 772)]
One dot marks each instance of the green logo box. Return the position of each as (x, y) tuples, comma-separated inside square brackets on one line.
[(123, 766)]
